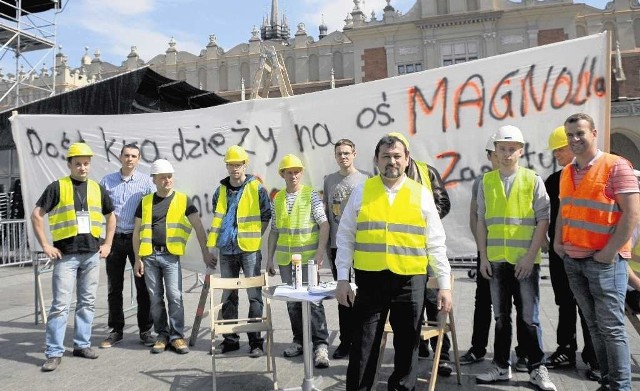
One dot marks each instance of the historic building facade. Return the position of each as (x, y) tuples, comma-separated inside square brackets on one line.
[(388, 42)]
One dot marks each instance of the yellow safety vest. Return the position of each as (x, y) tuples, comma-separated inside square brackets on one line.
[(634, 262), (247, 217), (510, 221), (423, 170), (393, 236), (178, 227), (298, 232), (62, 219)]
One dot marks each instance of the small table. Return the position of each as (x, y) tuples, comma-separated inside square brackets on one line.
[(308, 383)]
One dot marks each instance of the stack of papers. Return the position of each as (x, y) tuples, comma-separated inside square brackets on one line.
[(316, 294)]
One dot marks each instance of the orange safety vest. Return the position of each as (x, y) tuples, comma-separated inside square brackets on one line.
[(589, 217)]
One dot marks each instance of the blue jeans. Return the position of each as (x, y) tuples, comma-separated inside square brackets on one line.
[(319, 331), (504, 288), (230, 266), (162, 272), (600, 291), (83, 270)]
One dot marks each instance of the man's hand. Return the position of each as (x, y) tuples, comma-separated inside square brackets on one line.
[(485, 268), (105, 250), (545, 246), (344, 294), (138, 267), (444, 301), (604, 256), (209, 259), (52, 252), (270, 268), (523, 268), (558, 247)]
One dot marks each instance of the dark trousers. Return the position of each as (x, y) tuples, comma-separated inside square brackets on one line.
[(122, 249), (482, 315), (402, 297), (566, 332), (345, 314)]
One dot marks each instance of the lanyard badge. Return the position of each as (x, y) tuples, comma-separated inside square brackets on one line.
[(83, 222)]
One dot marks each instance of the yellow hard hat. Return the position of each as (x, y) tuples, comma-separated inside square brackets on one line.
[(558, 139), (79, 149), (290, 161), (236, 154), (401, 137)]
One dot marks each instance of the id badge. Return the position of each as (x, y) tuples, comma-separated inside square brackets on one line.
[(84, 224)]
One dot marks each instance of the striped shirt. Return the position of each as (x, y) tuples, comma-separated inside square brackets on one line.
[(621, 180), (126, 193), (317, 208)]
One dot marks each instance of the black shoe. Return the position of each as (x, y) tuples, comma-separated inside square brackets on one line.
[(85, 353), (51, 364), (256, 352), (593, 372), (113, 338), (423, 349), (444, 369), (521, 365), (341, 351), (470, 358), (228, 346), (560, 359)]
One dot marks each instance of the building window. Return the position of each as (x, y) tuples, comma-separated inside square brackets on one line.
[(314, 68), (472, 5), (442, 7), (581, 31), (290, 65), (609, 26), (223, 78), (458, 52), (636, 31), (338, 67), (202, 78), (244, 74), (409, 68)]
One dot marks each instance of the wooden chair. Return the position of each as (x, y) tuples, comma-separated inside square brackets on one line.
[(430, 329), (634, 317), (220, 326)]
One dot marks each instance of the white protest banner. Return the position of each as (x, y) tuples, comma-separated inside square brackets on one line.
[(447, 114)]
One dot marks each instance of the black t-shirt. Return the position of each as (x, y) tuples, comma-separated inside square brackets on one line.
[(552, 184), (81, 243), (159, 212)]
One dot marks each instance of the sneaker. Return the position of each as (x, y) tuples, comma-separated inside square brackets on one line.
[(593, 372), (495, 374), (160, 346), (147, 338), (540, 378), (113, 338), (51, 364), (180, 346), (423, 349), (295, 349), (560, 359), (85, 353), (225, 346), (444, 369), (470, 358), (256, 352), (521, 365), (321, 358), (341, 351)]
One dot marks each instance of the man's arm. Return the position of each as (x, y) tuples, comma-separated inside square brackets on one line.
[(135, 240), (558, 247), (37, 221), (323, 238), (207, 257), (629, 205), (473, 218), (105, 248), (345, 241), (271, 246)]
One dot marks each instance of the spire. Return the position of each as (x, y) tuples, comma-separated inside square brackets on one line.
[(274, 12)]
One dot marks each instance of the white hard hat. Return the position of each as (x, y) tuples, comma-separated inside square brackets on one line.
[(491, 146), (161, 166), (509, 133)]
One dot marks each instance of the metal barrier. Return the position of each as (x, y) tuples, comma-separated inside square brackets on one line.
[(43, 265), (13, 243)]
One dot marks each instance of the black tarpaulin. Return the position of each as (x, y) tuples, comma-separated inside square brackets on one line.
[(139, 91)]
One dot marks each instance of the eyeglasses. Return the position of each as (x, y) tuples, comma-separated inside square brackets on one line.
[(343, 153)]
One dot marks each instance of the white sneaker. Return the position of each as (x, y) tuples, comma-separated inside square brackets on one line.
[(540, 378), (321, 358), (495, 374)]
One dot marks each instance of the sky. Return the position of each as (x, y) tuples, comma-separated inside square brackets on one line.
[(113, 26)]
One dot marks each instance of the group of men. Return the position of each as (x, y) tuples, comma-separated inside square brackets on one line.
[(384, 231)]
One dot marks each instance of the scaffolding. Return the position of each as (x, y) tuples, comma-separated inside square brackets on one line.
[(270, 66), (28, 33)]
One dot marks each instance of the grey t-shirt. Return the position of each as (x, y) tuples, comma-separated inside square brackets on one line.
[(337, 189)]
